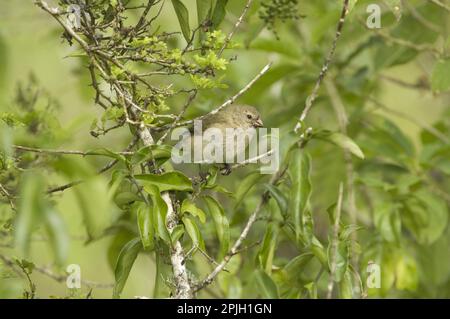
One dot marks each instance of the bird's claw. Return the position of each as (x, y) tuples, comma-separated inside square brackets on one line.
[(226, 170)]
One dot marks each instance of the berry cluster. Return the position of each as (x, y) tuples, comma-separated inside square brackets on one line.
[(273, 11)]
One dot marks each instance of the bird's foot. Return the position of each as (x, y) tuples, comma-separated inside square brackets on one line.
[(226, 170)]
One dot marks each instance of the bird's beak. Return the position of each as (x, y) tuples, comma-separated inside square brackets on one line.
[(259, 123)]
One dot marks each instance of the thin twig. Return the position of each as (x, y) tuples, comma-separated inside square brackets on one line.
[(59, 278), (227, 102), (252, 160), (66, 152), (180, 115), (422, 124), (100, 171), (425, 47), (209, 258), (440, 4), (415, 13), (236, 26), (279, 174), (312, 97), (421, 85), (8, 196)]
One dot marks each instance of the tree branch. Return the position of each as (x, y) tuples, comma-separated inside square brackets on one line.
[(279, 174), (236, 246), (59, 278), (440, 4), (66, 152), (312, 97), (235, 27)]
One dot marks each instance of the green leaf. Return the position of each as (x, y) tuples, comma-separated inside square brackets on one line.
[(189, 207), (57, 234), (426, 216), (312, 289), (30, 209), (266, 285), (218, 13), (340, 259), (440, 77), (347, 230), (276, 73), (145, 224), (160, 153), (108, 153), (246, 185), (193, 232), (342, 141), (406, 273), (96, 213), (267, 251), (167, 181), (126, 259), (159, 213), (430, 259), (183, 18), (279, 197), (294, 268), (220, 222), (122, 199), (299, 169), (319, 251), (351, 5), (387, 221), (177, 232), (116, 244), (345, 286), (285, 48), (204, 8)]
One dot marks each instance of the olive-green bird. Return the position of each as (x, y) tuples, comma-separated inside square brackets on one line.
[(232, 116)]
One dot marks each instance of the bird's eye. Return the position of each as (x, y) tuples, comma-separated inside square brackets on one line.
[(249, 116)]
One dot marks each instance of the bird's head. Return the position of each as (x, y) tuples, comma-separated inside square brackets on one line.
[(245, 116)]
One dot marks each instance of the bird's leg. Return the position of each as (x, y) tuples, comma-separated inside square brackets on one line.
[(203, 176), (226, 169)]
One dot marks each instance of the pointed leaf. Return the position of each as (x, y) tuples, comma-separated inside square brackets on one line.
[(167, 181), (189, 207), (266, 285), (125, 262), (220, 222), (183, 18)]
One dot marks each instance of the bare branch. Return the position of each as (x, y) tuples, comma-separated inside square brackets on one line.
[(236, 26), (66, 152), (312, 97), (102, 170), (252, 160)]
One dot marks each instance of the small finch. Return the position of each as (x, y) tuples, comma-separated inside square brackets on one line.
[(232, 117)]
